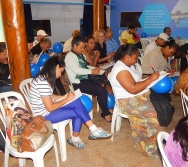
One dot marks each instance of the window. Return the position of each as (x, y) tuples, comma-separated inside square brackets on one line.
[(43, 25), (130, 18)]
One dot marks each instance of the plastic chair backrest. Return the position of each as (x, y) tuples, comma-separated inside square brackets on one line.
[(145, 42), (25, 89), (160, 137), (184, 101)]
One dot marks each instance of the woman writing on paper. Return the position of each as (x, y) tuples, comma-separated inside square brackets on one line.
[(45, 103), (133, 99), (159, 59)]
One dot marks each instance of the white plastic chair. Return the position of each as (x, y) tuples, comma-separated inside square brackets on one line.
[(145, 42), (117, 115), (60, 126), (160, 137), (184, 102), (36, 156)]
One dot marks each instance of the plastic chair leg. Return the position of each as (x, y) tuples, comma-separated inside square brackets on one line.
[(56, 153), (118, 123), (21, 162), (114, 117), (6, 157), (38, 161), (62, 142)]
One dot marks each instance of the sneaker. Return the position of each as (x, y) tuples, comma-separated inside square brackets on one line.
[(99, 134), (79, 144)]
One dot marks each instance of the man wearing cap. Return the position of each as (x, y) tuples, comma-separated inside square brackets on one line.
[(159, 42), (40, 34)]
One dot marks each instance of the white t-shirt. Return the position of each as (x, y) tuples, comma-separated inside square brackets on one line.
[(119, 91), (67, 45), (35, 42), (150, 47), (39, 87)]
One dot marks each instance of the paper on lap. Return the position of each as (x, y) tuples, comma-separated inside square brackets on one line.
[(177, 73), (77, 93), (107, 65)]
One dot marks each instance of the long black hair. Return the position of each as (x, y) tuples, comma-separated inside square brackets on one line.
[(123, 50), (181, 135), (49, 69)]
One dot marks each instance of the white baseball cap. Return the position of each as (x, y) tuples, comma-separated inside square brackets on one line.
[(164, 36), (41, 32)]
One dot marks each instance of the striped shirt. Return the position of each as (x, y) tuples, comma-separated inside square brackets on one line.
[(39, 87)]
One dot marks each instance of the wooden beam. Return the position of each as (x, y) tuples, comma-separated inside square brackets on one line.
[(16, 40), (98, 14)]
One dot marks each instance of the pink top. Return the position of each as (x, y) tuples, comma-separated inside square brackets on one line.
[(173, 152)]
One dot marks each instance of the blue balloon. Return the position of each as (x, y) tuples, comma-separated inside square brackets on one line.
[(172, 87), (110, 101), (163, 86), (87, 102), (175, 79), (42, 59), (35, 69), (57, 47), (143, 35)]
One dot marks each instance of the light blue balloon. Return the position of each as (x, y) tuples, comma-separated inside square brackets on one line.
[(87, 102), (57, 47), (43, 59), (163, 86), (110, 101), (35, 69)]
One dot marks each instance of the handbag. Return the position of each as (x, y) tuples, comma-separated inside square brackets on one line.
[(34, 134)]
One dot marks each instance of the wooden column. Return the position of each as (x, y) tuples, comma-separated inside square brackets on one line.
[(16, 40), (98, 14)]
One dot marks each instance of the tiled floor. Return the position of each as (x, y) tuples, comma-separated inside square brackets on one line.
[(101, 153)]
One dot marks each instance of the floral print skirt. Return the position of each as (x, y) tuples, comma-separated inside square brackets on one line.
[(143, 121)]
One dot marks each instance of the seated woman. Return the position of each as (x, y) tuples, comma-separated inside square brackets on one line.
[(158, 59), (133, 99), (176, 148), (78, 71), (92, 55), (100, 45), (5, 82), (45, 103)]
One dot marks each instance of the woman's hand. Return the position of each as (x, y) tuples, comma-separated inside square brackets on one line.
[(171, 72), (95, 71), (154, 76), (70, 96)]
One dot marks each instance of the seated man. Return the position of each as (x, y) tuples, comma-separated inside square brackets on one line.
[(67, 44), (111, 44), (160, 41), (40, 34), (126, 35)]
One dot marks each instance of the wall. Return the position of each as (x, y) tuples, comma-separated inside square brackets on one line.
[(64, 18), (139, 5), (1, 26)]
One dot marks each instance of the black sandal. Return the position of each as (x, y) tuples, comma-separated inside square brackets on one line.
[(105, 118)]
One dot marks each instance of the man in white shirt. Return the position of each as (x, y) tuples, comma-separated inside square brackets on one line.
[(160, 41), (40, 34), (67, 44)]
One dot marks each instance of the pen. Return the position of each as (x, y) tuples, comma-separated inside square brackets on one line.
[(70, 87), (152, 68)]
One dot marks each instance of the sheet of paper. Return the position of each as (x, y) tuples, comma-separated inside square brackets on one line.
[(162, 75), (77, 93), (101, 72), (107, 65), (177, 73)]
